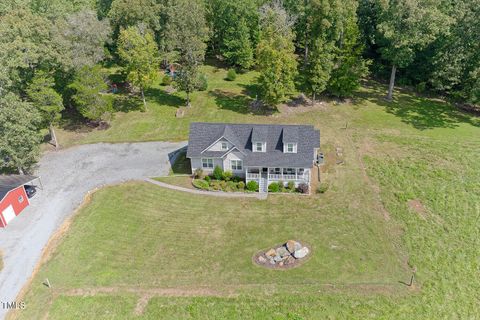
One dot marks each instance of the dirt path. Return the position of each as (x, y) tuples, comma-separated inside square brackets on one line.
[(67, 176)]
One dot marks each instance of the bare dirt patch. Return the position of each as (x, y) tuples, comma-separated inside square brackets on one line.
[(418, 207)]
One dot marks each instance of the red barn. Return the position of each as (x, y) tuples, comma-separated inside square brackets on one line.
[(13, 197)]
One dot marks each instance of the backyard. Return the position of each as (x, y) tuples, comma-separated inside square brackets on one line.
[(403, 198)]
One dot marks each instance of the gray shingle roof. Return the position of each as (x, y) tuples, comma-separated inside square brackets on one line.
[(10, 182), (202, 135)]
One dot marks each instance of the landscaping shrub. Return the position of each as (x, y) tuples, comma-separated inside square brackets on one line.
[(274, 187), (322, 188), (236, 179), (231, 186), (218, 173), (202, 84), (231, 75), (198, 173), (241, 185), (215, 185), (227, 175), (303, 187), (252, 186), (207, 178), (201, 184), (291, 185), (223, 184), (166, 80)]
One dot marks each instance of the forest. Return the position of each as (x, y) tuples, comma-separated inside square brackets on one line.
[(55, 54)]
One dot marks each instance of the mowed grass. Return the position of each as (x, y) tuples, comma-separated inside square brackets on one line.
[(141, 239), (135, 240)]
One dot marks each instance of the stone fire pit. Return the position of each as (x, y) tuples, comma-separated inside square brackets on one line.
[(290, 254)]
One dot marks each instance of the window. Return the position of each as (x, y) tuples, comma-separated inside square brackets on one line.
[(207, 163), (259, 147), (236, 164), (20, 199), (224, 146), (291, 148)]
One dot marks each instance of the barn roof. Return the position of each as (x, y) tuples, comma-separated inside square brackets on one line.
[(10, 182)]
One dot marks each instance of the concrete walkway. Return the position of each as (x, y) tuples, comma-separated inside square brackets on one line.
[(67, 175), (261, 196)]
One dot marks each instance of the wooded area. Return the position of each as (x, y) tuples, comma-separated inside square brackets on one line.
[(55, 52)]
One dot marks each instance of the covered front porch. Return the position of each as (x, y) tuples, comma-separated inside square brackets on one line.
[(272, 174)]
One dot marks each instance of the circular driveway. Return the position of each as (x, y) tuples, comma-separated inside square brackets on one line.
[(67, 176)]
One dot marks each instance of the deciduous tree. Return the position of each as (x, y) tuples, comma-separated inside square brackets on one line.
[(276, 54), (139, 54), (19, 123), (44, 97)]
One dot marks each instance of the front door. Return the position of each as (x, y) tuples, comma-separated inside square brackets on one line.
[(264, 170)]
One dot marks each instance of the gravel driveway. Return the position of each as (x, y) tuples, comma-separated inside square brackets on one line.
[(67, 176)]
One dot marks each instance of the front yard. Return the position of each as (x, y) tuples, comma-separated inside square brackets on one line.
[(403, 192)]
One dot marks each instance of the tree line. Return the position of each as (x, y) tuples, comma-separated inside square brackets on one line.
[(54, 52)]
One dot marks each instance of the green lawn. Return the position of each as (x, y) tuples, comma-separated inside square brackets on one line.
[(407, 196)]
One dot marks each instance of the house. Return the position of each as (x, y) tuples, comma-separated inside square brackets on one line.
[(260, 152), (13, 196)]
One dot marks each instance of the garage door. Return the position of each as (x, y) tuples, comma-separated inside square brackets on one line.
[(8, 214)]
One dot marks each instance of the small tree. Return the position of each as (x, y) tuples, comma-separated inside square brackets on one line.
[(139, 53), (218, 173), (187, 80), (47, 100), (90, 93)]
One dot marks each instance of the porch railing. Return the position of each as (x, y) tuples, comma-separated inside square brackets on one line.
[(253, 176), (285, 177)]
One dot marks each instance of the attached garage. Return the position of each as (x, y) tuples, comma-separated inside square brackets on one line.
[(13, 196)]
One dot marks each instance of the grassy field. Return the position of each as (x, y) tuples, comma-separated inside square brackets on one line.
[(407, 197)]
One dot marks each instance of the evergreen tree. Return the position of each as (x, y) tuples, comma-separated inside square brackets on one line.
[(237, 47), (89, 97)]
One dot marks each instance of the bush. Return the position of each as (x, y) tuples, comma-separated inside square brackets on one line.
[(218, 173), (202, 84), (198, 173), (223, 185), (231, 75), (291, 185), (303, 187), (227, 175), (236, 179), (215, 185), (421, 87), (274, 187), (231, 186), (252, 186), (207, 178), (241, 185), (167, 80), (322, 188), (201, 184)]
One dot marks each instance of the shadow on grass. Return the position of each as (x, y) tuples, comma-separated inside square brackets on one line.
[(127, 103), (239, 103), (179, 162), (419, 112), (161, 97)]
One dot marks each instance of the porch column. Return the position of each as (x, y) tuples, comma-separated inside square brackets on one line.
[(296, 175)]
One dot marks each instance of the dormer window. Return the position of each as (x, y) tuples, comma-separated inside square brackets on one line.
[(259, 147), (224, 146), (290, 148)]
